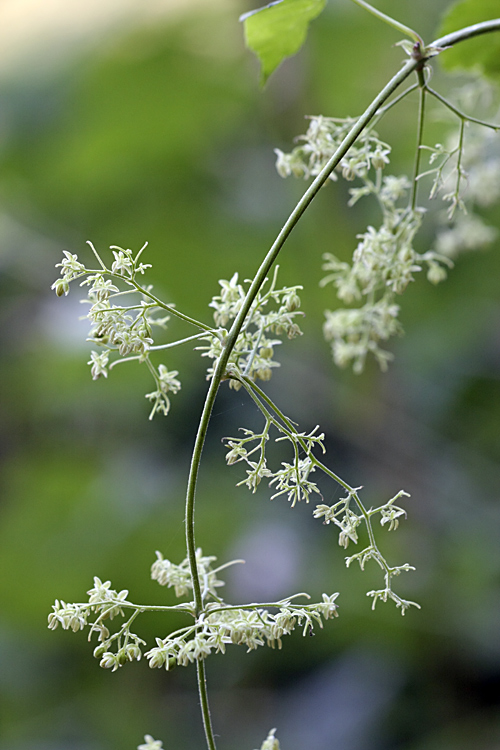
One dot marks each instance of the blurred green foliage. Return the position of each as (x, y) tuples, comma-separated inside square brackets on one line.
[(473, 54), (164, 135)]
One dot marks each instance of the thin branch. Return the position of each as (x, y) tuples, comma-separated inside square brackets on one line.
[(391, 21), (460, 114), (469, 32), (418, 153), (205, 708)]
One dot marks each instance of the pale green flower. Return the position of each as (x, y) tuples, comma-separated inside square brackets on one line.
[(150, 744)]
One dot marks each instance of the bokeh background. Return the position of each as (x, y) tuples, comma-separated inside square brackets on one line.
[(124, 121)]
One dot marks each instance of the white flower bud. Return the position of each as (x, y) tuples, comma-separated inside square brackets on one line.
[(109, 661), (61, 286), (436, 273)]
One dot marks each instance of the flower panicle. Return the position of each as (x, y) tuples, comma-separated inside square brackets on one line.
[(125, 330)]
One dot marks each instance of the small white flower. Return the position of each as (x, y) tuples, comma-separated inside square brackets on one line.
[(150, 743), (270, 743), (168, 379), (110, 660), (123, 263), (99, 362), (70, 266), (61, 286)]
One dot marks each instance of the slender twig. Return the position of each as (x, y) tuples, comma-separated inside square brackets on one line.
[(391, 21), (180, 341), (205, 708), (460, 114), (456, 200), (418, 152), (467, 33)]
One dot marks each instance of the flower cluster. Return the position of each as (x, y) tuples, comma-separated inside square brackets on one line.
[(385, 260), (212, 630), (250, 626), (104, 603), (71, 268), (220, 624), (179, 576), (356, 332), (166, 382), (323, 137), (124, 329), (467, 175), (293, 478), (468, 232), (253, 352), (348, 521), (102, 599)]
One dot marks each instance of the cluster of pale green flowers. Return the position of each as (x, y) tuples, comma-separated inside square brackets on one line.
[(217, 626), (127, 330), (348, 514), (250, 626), (253, 353), (293, 480), (385, 259), (116, 328), (323, 137), (104, 604), (178, 577), (465, 171)]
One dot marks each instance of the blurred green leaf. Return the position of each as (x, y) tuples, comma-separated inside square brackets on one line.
[(278, 30), (473, 54)]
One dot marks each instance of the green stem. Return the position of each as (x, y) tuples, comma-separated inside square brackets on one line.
[(260, 605), (460, 114), (418, 153), (391, 21), (456, 199), (205, 708), (181, 341), (467, 33)]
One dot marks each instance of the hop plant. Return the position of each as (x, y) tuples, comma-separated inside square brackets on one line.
[(250, 321)]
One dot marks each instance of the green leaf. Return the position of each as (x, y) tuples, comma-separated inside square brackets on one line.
[(278, 30), (480, 53)]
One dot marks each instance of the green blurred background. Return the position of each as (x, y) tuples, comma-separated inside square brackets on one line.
[(122, 122)]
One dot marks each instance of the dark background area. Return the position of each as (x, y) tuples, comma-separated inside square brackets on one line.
[(156, 130)]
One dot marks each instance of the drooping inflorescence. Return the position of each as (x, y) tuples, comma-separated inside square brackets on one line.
[(385, 259)]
